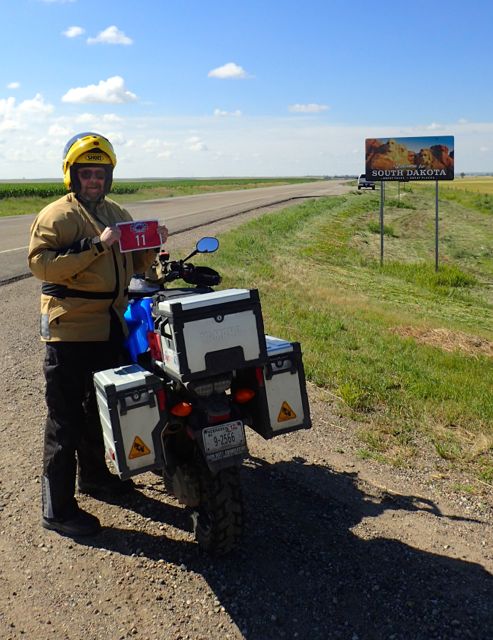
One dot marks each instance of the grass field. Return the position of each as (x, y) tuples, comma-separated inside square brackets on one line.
[(480, 184), (26, 198), (408, 352)]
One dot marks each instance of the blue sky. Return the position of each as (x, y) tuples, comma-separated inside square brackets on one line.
[(194, 88)]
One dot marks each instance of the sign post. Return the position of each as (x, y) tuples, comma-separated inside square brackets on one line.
[(382, 192), (436, 225)]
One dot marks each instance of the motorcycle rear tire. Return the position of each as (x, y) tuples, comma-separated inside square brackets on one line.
[(218, 521)]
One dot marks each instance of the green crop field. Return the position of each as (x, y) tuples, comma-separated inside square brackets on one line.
[(407, 351)]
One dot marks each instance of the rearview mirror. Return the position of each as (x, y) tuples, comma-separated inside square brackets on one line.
[(207, 245)]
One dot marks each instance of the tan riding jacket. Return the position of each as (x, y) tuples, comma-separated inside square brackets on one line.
[(83, 283)]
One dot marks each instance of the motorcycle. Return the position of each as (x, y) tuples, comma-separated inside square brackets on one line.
[(214, 372)]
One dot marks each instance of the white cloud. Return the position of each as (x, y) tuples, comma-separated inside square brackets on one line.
[(311, 107), (483, 149), (229, 70), (151, 144), (117, 138), (261, 146), (194, 143), (111, 35), (7, 105), (224, 114), (154, 144), (111, 118), (58, 130), (84, 118), (111, 91), (8, 124), (13, 85), (73, 32), (158, 148), (13, 117), (36, 106), (42, 142), (434, 126)]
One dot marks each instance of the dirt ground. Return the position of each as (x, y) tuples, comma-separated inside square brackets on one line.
[(334, 546)]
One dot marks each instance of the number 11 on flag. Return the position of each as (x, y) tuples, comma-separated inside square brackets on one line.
[(138, 235)]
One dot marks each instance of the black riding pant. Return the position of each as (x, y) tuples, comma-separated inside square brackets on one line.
[(73, 429)]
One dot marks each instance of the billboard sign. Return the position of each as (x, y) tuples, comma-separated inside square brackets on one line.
[(421, 158)]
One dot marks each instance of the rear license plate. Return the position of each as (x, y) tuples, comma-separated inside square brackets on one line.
[(222, 437)]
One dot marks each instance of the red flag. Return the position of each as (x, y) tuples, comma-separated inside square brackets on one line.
[(138, 235)]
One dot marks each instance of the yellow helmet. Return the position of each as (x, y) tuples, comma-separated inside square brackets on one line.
[(87, 148)]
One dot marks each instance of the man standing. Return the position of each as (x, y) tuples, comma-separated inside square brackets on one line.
[(74, 251)]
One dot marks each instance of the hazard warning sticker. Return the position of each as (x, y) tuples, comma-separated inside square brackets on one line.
[(286, 413), (139, 449)]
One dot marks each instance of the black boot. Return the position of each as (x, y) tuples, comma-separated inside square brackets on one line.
[(79, 524)]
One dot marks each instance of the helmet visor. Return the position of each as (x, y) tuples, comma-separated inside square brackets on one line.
[(74, 139)]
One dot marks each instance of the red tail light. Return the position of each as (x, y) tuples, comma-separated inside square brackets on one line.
[(219, 418), (259, 373), (155, 345), (161, 399)]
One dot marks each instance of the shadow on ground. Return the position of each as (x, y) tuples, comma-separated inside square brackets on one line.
[(302, 573)]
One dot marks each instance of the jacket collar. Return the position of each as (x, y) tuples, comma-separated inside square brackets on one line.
[(92, 207)]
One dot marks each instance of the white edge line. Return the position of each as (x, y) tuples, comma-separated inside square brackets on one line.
[(16, 249)]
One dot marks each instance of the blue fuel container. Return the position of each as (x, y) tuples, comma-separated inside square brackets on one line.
[(139, 321)]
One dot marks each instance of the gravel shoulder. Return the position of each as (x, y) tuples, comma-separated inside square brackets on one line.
[(334, 547)]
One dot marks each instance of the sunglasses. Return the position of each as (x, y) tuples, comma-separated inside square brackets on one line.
[(87, 174)]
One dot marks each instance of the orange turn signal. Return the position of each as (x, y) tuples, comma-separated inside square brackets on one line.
[(243, 395), (182, 409)]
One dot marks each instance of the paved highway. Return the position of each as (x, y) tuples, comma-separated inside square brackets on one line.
[(178, 213)]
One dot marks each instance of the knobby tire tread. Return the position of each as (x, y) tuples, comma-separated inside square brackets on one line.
[(219, 522)]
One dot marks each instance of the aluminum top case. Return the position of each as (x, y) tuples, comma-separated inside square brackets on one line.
[(210, 333), (131, 418)]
